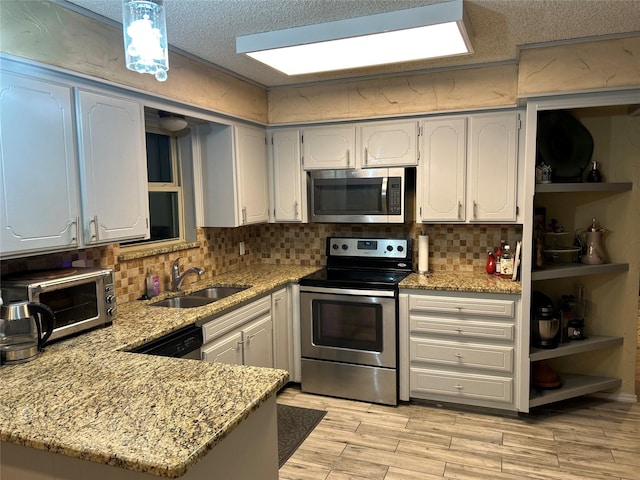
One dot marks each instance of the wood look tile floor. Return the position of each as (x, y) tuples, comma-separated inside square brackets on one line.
[(583, 438)]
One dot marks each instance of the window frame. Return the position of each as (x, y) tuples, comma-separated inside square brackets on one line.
[(174, 186)]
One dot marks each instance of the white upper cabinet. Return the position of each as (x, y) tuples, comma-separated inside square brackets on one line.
[(234, 176), (289, 191), (329, 147), (253, 175), (38, 166), (374, 144), (111, 136), (389, 144), (440, 186), (469, 169), (493, 167)]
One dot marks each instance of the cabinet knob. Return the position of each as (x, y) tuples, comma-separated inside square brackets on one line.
[(458, 355), (458, 329)]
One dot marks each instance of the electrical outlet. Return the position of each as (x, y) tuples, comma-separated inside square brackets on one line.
[(241, 245)]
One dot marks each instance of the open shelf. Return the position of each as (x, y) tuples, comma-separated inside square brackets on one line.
[(583, 187), (572, 386), (594, 342), (563, 270)]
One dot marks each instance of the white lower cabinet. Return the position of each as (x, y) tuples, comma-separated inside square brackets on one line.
[(241, 337), (461, 348), (282, 330)]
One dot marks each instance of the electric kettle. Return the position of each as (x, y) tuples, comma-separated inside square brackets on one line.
[(24, 329)]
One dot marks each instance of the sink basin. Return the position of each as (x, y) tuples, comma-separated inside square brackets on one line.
[(199, 298), (183, 302), (216, 293)]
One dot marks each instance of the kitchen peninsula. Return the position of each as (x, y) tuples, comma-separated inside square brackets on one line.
[(87, 398)]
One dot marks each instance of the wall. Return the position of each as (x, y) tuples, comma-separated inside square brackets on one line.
[(453, 247)]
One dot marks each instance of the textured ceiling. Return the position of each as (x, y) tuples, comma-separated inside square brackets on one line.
[(207, 28)]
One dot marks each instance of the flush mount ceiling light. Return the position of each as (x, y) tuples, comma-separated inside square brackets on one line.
[(431, 31), (145, 37), (171, 122)]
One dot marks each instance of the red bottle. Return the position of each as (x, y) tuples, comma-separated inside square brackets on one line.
[(491, 262)]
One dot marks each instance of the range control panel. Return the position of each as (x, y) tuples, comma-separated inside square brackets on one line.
[(368, 247)]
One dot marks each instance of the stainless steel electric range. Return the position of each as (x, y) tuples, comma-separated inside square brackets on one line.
[(349, 319)]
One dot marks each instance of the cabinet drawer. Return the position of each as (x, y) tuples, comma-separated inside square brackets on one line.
[(461, 328), (235, 319), (424, 382), (463, 306), (467, 355)]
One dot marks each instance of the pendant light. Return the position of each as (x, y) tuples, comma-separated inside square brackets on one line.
[(145, 37)]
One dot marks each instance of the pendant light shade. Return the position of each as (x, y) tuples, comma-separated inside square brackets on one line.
[(145, 37)]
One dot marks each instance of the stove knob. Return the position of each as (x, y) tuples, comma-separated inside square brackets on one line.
[(335, 246), (400, 248), (345, 246), (389, 248)]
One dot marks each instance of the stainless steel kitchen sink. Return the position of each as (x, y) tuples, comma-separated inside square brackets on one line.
[(199, 298), (217, 293), (183, 302)]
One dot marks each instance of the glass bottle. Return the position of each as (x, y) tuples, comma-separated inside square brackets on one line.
[(594, 175), (499, 258), (491, 262), (506, 262)]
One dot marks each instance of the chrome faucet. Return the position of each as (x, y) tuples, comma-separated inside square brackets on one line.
[(177, 278)]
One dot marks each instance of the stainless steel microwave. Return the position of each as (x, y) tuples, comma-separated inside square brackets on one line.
[(81, 298), (372, 195)]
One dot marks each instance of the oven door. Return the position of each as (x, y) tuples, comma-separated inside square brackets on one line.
[(78, 305), (348, 325)]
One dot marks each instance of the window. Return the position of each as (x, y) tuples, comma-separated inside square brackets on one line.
[(165, 189)]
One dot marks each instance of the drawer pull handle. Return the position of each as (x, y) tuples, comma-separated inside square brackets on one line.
[(458, 355), (458, 329), (459, 307), (458, 387)]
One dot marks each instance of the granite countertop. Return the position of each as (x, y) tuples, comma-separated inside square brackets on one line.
[(461, 282), (87, 397)]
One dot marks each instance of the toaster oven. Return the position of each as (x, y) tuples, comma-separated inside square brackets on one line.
[(81, 298)]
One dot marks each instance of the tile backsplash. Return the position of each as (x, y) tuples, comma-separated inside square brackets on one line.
[(451, 247)]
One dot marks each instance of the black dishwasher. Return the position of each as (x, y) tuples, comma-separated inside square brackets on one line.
[(183, 343)]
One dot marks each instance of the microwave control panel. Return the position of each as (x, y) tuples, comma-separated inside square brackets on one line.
[(394, 195)]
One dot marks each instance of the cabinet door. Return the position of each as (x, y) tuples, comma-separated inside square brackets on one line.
[(258, 343), (328, 147), (493, 155), (227, 349), (38, 166), (282, 330), (389, 144), (253, 175), (289, 204), (113, 166), (441, 173)]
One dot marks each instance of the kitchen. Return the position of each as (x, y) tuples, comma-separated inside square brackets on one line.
[(217, 248)]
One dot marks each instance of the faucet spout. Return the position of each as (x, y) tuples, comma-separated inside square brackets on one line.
[(177, 278)]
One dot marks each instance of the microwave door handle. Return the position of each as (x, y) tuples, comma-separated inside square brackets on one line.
[(384, 195)]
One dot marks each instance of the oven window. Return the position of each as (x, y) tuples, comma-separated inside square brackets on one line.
[(356, 326), (72, 304), (361, 196)]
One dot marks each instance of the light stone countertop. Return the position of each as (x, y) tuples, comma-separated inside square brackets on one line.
[(87, 397), (461, 282)]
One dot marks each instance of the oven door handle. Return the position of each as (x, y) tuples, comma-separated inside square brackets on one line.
[(349, 291)]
